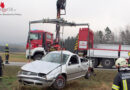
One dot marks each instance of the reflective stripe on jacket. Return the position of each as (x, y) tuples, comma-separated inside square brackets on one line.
[(122, 81), (6, 49), (115, 87)]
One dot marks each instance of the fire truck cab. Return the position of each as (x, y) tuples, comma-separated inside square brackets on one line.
[(85, 39), (40, 42)]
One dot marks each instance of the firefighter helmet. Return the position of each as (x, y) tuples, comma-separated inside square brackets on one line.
[(128, 53), (121, 62)]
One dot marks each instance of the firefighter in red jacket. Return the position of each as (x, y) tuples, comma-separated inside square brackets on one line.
[(122, 79)]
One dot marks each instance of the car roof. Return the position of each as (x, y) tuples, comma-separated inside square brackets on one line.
[(63, 51)]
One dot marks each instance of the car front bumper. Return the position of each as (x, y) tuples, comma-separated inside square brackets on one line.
[(34, 80)]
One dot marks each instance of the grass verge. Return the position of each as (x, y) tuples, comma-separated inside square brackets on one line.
[(102, 81), (15, 57), (9, 77)]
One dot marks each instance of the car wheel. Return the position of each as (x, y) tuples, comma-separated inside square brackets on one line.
[(37, 56), (59, 83), (107, 63)]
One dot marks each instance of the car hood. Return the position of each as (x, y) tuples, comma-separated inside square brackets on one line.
[(40, 67)]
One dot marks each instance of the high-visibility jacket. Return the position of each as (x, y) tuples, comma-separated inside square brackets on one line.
[(122, 81), (6, 50)]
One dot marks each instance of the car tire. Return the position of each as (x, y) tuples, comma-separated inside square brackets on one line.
[(59, 83), (37, 56), (107, 63)]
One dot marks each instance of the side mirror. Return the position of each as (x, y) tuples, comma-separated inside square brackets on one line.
[(69, 63)]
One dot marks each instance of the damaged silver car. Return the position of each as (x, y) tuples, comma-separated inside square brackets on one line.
[(55, 69)]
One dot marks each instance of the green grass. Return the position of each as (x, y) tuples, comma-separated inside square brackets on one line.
[(102, 81), (9, 77), (18, 55), (15, 57)]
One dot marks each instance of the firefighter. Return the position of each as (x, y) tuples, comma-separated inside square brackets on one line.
[(61, 4), (1, 63), (6, 54), (122, 79)]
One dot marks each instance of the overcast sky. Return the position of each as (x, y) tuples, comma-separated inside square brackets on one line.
[(98, 13)]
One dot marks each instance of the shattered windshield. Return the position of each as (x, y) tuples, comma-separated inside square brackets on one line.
[(56, 58)]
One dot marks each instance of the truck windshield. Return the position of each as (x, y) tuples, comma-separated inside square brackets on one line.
[(35, 36), (56, 58), (49, 36)]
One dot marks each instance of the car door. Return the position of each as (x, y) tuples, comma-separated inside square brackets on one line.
[(84, 65), (73, 67)]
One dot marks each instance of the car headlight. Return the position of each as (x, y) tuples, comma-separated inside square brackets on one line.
[(42, 75)]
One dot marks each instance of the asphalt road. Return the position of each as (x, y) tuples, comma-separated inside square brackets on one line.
[(16, 63), (23, 63), (101, 68)]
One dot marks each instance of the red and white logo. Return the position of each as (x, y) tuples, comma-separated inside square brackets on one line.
[(6, 10), (2, 5)]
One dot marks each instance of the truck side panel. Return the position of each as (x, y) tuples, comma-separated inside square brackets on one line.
[(124, 51), (103, 53), (124, 54)]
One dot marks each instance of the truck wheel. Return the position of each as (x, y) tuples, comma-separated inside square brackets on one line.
[(96, 62), (37, 56), (59, 83), (107, 63)]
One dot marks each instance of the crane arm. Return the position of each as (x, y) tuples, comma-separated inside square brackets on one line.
[(61, 22)]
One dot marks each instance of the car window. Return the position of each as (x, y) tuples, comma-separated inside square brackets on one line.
[(74, 60), (83, 60), (56, 58)]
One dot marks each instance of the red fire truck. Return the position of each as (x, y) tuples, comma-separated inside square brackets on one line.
[(41, 41), (104, 54)]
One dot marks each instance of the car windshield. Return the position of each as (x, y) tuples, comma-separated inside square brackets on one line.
[(56, 58)]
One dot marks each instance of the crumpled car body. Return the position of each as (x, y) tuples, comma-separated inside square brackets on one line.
[(46, 71)]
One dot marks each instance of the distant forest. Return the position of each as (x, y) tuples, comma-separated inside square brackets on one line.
[(14, 48)]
